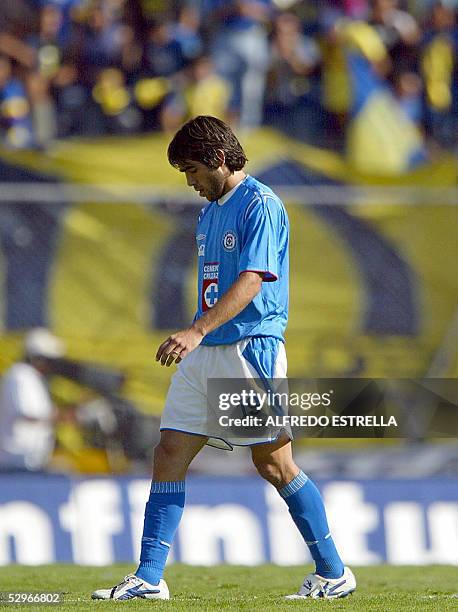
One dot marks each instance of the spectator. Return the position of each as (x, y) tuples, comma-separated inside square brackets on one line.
[(439, 69), (292, 97), (116, 102), (104, 37), (74, 105), (186, 33), (400, 34), (47, 45), (15, 118), (47, 42), (241, 53), (203, 93), (335, 80), (380, 137), (43, 110), (408, 91), (163, 54), (317, 57), (26, 409)]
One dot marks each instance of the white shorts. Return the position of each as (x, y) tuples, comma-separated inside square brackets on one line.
[(186, 406)]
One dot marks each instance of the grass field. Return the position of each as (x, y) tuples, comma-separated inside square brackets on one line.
[(382, 588)]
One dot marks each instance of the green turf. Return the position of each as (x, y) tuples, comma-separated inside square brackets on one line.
[(382, 588)]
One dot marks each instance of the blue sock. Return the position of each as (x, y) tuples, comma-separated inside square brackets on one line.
[(307, 510), (162, 515)]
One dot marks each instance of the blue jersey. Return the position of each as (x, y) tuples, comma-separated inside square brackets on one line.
[(249, 232)]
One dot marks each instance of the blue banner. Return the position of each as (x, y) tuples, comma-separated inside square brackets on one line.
[(239, 520)]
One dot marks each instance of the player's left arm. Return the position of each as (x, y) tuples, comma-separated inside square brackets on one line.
[(238, 296)]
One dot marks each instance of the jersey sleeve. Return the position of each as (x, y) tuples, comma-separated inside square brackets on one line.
[(259, 241)]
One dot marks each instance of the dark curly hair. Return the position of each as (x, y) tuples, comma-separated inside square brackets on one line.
[(200, 138)]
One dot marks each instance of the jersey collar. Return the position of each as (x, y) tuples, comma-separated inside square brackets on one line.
[(223, 199)]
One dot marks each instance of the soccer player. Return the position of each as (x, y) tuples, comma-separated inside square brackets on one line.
[(242, 247)]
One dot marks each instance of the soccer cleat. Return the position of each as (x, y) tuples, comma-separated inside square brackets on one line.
[(134, 587), (317, 587)]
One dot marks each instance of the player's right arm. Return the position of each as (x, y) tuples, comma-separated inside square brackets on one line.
[(238, 296)]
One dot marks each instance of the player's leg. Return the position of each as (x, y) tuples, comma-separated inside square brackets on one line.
[(275, 463), (163, 512), (164, 508), (174, 453)]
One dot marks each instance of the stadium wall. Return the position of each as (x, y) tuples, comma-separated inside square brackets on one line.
[(235, 520)]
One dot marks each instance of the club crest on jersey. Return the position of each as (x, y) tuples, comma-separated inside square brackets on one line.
[(229, 240), (210, 285), (201, 246)]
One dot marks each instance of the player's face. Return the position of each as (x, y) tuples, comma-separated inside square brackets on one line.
[(208, 182)]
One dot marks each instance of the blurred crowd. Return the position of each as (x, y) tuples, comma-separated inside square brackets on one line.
[(92, 67)]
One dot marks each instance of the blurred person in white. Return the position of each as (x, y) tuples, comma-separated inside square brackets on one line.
[(27, 413)]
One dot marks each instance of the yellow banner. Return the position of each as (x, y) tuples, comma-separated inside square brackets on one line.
[(373, 287)]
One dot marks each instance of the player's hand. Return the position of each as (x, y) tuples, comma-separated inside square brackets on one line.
[(178, 345)]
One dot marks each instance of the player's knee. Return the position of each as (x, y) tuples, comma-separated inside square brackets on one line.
[(269, 470), (165, 454)]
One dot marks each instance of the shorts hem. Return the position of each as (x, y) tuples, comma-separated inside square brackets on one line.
[(209, 438), (231, 444)]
